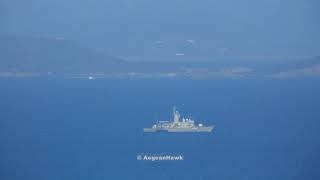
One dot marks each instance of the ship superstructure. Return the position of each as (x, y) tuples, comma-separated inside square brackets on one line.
[(178, 125)]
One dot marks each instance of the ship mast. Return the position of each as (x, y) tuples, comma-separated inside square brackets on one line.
[(174, 111), (176, 115)]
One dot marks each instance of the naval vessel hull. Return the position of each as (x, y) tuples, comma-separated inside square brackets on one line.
[(177, 130)]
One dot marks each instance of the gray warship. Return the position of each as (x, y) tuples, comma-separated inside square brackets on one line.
[(185, 125)]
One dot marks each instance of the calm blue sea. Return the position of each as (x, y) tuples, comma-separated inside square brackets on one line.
[(73, 129)]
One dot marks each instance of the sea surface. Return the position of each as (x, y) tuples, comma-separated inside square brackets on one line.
[(78, 129)]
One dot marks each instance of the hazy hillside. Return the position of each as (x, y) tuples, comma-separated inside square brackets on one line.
[(54, 55), (309, 62), (25, 56), (309, 67)]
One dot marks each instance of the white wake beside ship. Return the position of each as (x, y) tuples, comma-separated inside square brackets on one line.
[(177, 125)]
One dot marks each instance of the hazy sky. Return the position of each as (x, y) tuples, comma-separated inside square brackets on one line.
[(201, 28)]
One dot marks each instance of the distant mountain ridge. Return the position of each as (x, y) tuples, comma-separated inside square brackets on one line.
[(29, 56), (309, 62), (309, 67), (55, 55)]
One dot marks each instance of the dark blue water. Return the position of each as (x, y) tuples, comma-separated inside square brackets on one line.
[(78, 129)]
